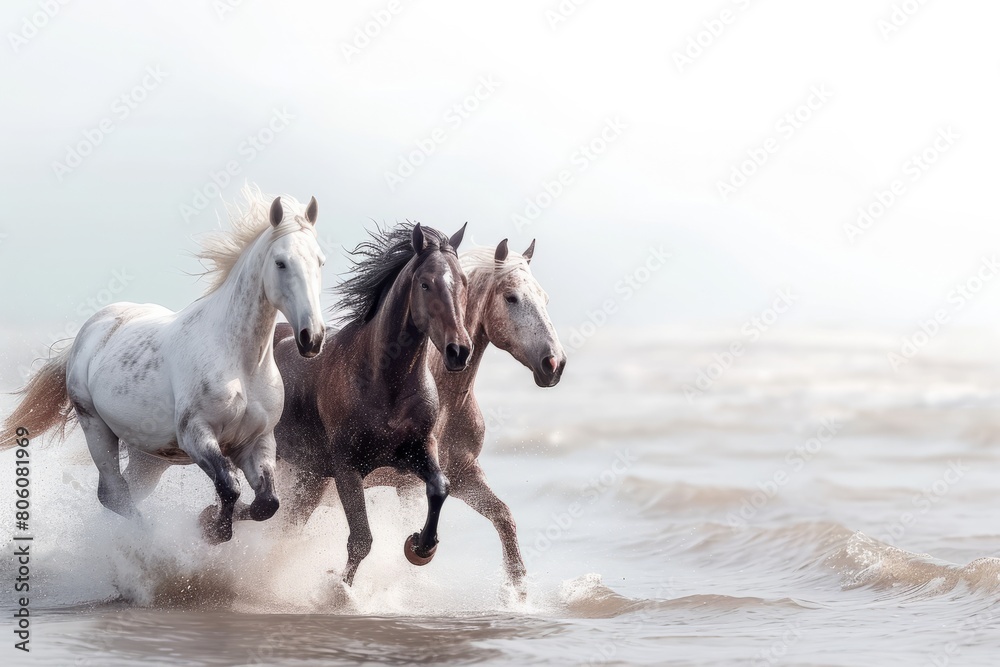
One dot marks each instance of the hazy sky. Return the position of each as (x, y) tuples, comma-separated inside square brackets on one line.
[(333, 115)]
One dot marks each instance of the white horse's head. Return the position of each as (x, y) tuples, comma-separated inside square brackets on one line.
[(293, 275), (516, 318)]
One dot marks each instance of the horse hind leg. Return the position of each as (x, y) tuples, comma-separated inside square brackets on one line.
[(112, 489), (407, 485), (305, 491), (143, 473)]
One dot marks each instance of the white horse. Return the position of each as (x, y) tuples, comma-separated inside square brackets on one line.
[(196, 386)]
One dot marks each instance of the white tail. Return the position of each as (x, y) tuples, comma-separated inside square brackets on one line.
[(45, 404)]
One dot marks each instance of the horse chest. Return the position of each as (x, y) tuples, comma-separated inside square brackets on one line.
[(240, 410), (382, 432)]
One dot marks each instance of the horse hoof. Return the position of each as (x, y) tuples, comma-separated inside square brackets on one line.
[(410, 550), (211, 532), (263, 508), (514, 593)]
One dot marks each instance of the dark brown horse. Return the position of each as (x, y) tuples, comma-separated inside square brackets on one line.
[(507, 307), (370, 401)]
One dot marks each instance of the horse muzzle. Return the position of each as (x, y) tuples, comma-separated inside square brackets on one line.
[(310, 343), (549, 370), (456, 357)]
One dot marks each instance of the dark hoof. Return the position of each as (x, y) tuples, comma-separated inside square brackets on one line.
[(211, 531), (263, 507), (413, 554)]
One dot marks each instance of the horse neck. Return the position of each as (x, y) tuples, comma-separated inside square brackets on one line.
[(391, 325), (243, 313)]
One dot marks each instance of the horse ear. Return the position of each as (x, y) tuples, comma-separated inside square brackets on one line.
[(529, 252), (456, 238), (276, 211), (501, 254), (418, 239), (312, 210)]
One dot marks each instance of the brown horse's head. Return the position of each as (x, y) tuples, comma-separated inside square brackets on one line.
[(438, 295)]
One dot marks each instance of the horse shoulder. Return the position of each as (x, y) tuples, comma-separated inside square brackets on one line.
[(416, 414), (265, 394), (464, 423)]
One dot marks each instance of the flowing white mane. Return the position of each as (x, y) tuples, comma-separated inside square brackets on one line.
[(482, 258), (248, 220)]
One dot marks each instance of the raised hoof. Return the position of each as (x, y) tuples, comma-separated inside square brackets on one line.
[(412, 555), (211, 531), (263, 508)]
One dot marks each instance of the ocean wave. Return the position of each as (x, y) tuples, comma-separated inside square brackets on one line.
[(589, 597), (864, 562)]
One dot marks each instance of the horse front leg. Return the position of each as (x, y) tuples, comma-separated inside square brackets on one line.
[(258, 463), (472, 488), (304, 490), (350, 488), (199, 442), (420, 547)]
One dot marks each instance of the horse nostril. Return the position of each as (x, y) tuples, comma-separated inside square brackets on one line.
[(457, 356), (551, 363), (305, 338)]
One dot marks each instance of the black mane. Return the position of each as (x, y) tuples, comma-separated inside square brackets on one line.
[(376, 264)]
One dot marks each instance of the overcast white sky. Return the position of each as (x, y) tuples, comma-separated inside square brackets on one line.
[(556, 88)]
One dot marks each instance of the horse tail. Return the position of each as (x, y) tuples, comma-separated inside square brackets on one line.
[(45, 404)]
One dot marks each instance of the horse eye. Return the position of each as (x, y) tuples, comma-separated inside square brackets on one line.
[(511, 298), (424, 286), (279, 264)]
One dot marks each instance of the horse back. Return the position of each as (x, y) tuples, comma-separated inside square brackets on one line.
[(117, 365)]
